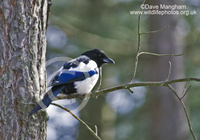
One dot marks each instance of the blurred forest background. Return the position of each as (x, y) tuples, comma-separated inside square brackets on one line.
[(77, 26)]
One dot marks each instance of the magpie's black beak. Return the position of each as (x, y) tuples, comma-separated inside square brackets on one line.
[(108, 60)]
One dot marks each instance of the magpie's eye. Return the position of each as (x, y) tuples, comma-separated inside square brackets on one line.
[(100, 55)]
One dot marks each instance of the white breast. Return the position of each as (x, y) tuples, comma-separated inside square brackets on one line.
[(86, 85)]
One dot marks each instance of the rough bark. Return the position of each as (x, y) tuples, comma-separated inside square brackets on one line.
[(167, 117), (22, 68)]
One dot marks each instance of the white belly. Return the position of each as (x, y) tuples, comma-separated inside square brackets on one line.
[(86, 85)]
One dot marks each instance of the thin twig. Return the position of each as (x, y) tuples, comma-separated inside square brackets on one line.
[(184, 93), (152, 32), (185, 111), (95, 134), (129, 89), (138, 51), (157, 54), (188, 120), (173, 90), (96, 130), (169, 71), (138, 47), (97, 87)]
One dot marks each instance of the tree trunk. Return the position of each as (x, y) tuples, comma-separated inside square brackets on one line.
[(22, 68), (168, 121)]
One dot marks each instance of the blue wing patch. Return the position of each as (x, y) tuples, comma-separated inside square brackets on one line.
[(66, 76)]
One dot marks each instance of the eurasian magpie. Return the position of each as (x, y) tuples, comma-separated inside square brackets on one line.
[(78, 75)]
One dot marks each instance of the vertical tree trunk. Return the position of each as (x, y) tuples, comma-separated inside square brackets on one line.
[(22, 68), (167, 117)]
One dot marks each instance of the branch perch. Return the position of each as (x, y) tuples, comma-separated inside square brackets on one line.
[(131, 85)]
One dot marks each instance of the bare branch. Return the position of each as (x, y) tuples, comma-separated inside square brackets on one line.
[(125, 86), (96, 130), (129, 89), (138, 47), (157, 54), (169, 71), (185, 111), (95, 134), (186, 91), (99, 81), (173, 90), (152, 32)]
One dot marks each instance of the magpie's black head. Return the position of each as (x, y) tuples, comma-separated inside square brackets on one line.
[(98, 56)]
